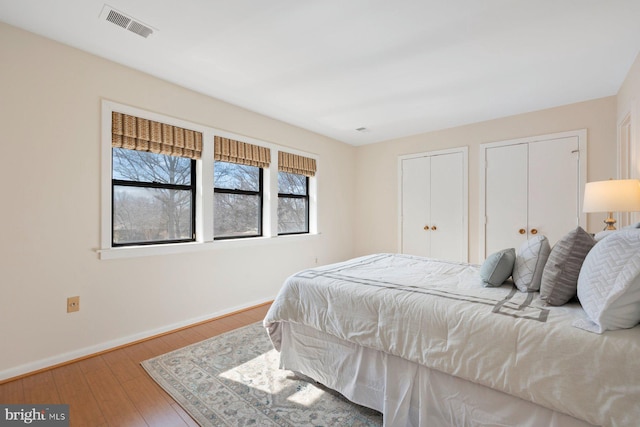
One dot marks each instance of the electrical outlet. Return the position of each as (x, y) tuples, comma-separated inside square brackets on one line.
[(73, 304)]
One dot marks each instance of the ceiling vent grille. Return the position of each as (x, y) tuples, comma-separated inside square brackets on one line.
[(114, 16), (118, 19)]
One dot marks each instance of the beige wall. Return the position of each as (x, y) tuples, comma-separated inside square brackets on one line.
[(50, 174), (628, 98), (628, 105), (377, 165)]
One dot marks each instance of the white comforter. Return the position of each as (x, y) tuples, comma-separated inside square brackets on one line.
[(439, 315)]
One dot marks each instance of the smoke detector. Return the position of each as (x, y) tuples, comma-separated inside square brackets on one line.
[(125, 21)]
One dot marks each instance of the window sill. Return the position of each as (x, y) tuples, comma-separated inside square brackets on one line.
[(180, 248)]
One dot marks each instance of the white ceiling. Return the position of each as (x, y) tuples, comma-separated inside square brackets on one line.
[(397, 68)]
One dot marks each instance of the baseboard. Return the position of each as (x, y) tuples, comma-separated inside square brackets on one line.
[(84, 353)]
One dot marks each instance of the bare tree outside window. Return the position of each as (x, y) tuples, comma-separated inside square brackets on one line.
[(152, 197), (293, 203), (237, 200)]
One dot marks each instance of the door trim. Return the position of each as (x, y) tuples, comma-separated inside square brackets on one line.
[(628, 146), (465, 197), (581, 134)]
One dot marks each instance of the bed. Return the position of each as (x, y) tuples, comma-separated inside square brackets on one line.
[(427, 343)]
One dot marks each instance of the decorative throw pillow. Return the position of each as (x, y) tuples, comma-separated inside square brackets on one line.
[(602, 234), (498, 267), (609, 283), (560, 276), (529, 265)]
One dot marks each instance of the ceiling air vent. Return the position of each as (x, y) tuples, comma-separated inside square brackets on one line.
[(120, 19)]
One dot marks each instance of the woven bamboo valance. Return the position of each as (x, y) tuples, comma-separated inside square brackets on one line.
[(140, 134), (232, 151), (294, 163)]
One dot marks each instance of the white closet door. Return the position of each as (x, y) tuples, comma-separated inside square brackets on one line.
[(506, 197), (415, 205), (553, 181), (532, 186), (446, 207)]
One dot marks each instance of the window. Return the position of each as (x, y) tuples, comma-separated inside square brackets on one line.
[(237, 200), (153, 182), (237, 187), (293, 203), (293, 192), (153, 198)]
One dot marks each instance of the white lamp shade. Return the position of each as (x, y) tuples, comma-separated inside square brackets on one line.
[(621, 195)]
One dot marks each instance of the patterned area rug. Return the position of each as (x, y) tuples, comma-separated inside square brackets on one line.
[(234, 380)]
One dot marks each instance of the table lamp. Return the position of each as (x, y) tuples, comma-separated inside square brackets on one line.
[(614, 195)]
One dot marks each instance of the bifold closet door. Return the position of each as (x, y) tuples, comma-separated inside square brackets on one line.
[(506, 197), (446, 207), (531, 188), (433, 207), (416, 195), (554, 187)]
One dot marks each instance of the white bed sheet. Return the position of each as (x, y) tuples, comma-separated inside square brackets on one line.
[(408, 394), (438, 315)]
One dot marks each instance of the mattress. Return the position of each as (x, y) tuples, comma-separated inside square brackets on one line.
[(438, 315)]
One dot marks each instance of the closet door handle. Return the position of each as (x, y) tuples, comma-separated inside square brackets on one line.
[(433, 227), (426, 228), (522, 231), (534, 231)]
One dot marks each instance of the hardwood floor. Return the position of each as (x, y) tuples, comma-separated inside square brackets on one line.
[(112, 389)]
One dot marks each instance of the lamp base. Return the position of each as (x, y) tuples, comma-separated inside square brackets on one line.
[(610, 222)]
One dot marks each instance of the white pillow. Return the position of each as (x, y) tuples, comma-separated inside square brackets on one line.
[(602, 234), (530, 260), (609, 283)]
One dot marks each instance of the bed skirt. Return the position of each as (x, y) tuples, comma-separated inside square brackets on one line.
[(408, 394)]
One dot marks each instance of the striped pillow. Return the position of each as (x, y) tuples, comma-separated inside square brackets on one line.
[(560, 276)]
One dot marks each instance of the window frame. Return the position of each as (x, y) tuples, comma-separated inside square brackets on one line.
[(297, 196), (259, 193)]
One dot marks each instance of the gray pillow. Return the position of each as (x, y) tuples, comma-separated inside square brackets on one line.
[(498, 267), (530, 260), (560, 276)]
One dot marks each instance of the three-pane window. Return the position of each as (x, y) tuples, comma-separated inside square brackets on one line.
[(153, 198), (156, 169)]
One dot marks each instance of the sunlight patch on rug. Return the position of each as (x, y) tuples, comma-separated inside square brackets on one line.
[(234, 380), (275, 383)]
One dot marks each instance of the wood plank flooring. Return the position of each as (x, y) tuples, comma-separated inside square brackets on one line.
[(112, 389)]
